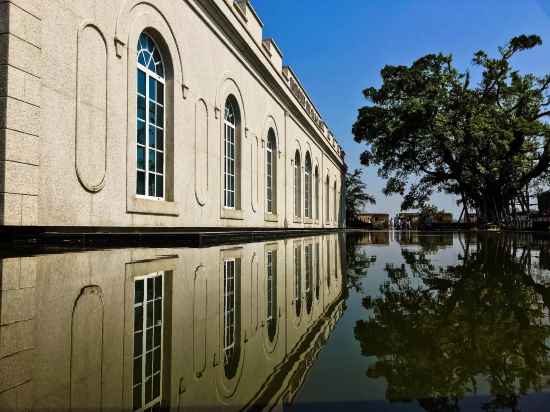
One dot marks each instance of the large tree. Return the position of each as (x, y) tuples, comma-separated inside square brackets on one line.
[(430, 129)]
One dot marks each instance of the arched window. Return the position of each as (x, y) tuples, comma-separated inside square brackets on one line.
[(231, 316), (335, 194), (298, 279), (271, 172), (271, 269), (231, 172), (316, 192), (308, 187), (327, 200), (151, 97), (297, 185)]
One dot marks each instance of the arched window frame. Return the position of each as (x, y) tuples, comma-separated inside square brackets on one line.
[(297, 185), (232, 154), (271, 173), (327, 200), (308, 187), (335, 206), (151, 115), (316, 193)]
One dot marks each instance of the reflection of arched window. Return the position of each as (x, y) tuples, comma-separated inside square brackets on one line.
[(232, 135), (327, 200), (231, 316), (317, 271), (309, 277), (271, 172), (336, 258), (308, 208), (151, 97), (297, 185), (317, 192), (148, 341), (271, 269), (335, 204), (328, 262), (298, 279)]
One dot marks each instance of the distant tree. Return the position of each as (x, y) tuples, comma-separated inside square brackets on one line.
[(429, 129), (356, 195)]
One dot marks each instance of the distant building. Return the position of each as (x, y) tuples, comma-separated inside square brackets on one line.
[(377, 220), (440, 218)]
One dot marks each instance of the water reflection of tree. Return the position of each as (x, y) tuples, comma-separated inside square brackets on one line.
[(484, 317), (358, 263)]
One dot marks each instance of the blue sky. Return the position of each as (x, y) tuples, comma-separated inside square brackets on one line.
[(338, 49)]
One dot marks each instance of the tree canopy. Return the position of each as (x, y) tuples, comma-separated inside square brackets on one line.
[(430, 129)]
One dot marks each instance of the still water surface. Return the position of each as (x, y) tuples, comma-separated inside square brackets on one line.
[(375, 321)]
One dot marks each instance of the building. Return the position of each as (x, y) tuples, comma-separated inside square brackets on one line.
[(439, 218), (377, 220), (132, 113), (232, 326)]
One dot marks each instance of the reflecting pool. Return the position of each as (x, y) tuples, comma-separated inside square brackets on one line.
[(376, 321)]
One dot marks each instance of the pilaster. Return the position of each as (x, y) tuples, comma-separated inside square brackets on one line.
[(20, 54)]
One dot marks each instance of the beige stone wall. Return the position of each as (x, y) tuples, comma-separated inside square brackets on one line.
[(67, 86), (67, 323)]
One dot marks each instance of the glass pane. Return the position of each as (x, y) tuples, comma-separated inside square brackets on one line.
[(160, 162), (141, 108), (150, 314), (142, 59), (137, 397), (150, 289), (160, 91), (160, 116), (152, 185), (158, 335), (138, 344), (160, 139), (141, 81), (138, 318), (141, 158), (149, 339), (140, 183), (156, 364), (152, 136), (160, 186), (152, 89), (152, 113), (148, 391), (141, 132), (158, 311), (156, 385), (138, 295), (152, 161), (149, 364), (137, 370), (158, 286)]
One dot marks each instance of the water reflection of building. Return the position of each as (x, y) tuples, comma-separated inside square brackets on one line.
[(433, 240), (374, 238), (134, 329)]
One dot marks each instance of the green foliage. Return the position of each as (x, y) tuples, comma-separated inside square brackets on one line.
[(356, 195), (429, 129)]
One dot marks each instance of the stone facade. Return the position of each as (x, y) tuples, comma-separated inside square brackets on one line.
[(69, 78), (69, 322)]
